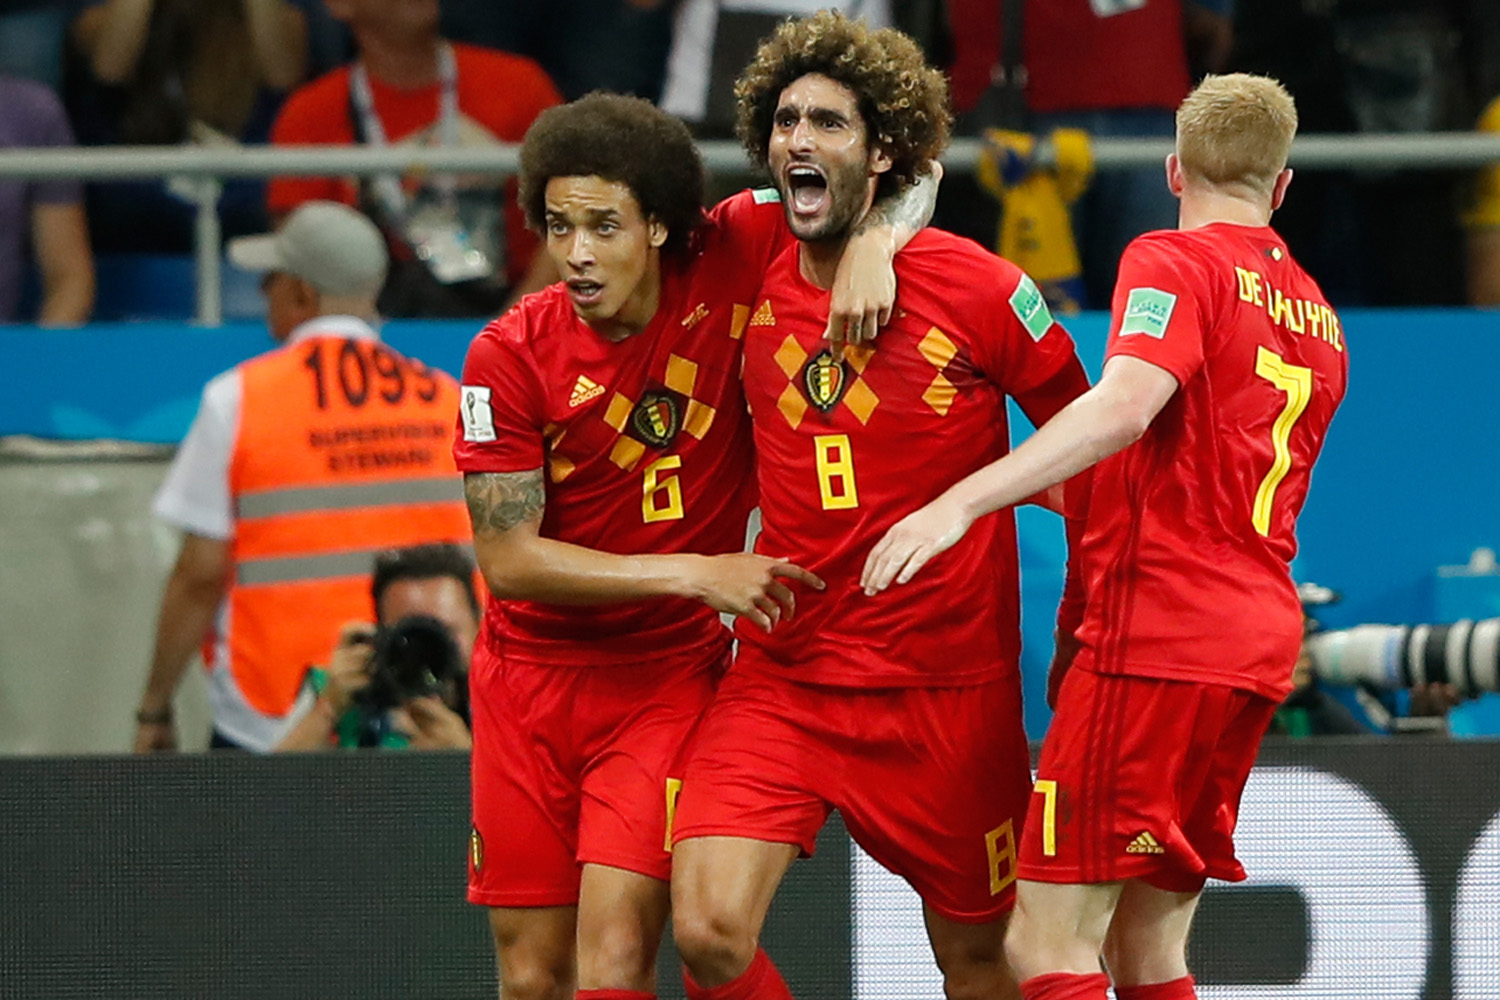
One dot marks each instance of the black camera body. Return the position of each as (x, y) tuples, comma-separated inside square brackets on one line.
[(412, 658)]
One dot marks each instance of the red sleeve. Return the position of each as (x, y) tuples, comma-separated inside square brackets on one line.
[(1022, 348), (304, 120), (500, 402), (752, 221), (1158, 314)]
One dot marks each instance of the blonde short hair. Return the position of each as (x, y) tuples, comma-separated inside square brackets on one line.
[(1236, 129)]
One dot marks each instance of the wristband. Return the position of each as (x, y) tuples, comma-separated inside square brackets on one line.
[(158, 717)]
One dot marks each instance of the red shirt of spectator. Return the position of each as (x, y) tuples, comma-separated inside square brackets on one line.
[(498, 97), (1080, 55)]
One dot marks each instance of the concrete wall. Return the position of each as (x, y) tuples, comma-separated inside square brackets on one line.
[(82, 564)]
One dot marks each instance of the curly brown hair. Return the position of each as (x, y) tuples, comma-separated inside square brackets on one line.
[(623, 139), (903, 101)]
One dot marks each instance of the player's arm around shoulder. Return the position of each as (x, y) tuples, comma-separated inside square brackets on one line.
[(863, 297)]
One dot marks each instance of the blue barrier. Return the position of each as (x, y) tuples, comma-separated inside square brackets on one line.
[(1408, 481)]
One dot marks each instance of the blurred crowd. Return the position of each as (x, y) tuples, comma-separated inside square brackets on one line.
[(225, 72)]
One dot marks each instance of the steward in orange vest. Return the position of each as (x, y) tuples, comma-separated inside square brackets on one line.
[(301, 465)]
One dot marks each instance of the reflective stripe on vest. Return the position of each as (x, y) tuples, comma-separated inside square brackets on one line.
[(298, 500), (343, 450), (299, 569)]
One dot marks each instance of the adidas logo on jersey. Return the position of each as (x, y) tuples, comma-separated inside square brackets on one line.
[(763, 316), (695, 317), (1144, 843), (584, 390)]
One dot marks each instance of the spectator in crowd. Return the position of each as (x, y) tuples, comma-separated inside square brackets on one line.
[(165, 72), (459, 245), (713, 41), (1115, 68), (300, 465), (1377, 237), (47, 213), (31, 40), (1484, 224), (614, 45), (432, 581)]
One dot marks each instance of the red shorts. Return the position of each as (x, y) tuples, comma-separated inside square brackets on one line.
[(1141, 778), (932, 782), (577, 765)]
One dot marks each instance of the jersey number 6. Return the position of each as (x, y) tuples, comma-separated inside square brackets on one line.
[(661, 496)]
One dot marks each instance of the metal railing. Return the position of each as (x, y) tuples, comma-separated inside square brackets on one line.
[(208, 167)]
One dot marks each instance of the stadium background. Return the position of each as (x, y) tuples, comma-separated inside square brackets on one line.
[(1375, 864), (1406, 487)]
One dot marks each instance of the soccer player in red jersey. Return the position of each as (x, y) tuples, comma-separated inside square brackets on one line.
[(1224, 368), (608, 471), (902, 712)]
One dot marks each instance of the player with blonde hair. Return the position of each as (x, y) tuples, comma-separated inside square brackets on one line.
[(1224, 368)]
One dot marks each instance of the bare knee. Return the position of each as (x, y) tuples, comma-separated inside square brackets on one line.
[(620, 954), (716, 943), (974, 966), (534, 954), (1023, 948), (1143, 955), (535, 982), (1037, 946)]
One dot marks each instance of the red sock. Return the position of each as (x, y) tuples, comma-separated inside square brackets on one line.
[(761, 981), (1177, 989), (613, 995), (1066, 986)]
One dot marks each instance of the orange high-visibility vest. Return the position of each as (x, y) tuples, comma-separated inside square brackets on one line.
[(344, 449)]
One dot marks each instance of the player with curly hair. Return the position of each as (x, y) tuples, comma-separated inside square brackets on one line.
[(607, 459), (901, 711)]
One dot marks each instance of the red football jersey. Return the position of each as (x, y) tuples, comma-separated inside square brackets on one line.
[(846, 450), (646, 442), (1191, 530)]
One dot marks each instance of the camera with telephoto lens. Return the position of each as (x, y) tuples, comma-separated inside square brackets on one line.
[(1465, 654), (415, 657)]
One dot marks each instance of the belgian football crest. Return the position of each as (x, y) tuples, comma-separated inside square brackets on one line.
[(657, 418), (824, 381)]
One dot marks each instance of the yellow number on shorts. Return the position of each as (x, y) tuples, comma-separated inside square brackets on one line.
[(674, 788), (661, 499), (1048, 788), (1000, 845), (1296, 382), (836, 472)]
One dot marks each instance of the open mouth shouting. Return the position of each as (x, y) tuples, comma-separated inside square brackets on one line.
[(807, 190)]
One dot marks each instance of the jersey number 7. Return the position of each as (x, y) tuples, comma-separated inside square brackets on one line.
[(1296, 382)]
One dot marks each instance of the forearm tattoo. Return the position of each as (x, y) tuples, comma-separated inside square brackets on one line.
[(910, 210), (498, 501)]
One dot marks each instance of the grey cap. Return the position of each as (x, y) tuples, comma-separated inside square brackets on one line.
[(331, 246)]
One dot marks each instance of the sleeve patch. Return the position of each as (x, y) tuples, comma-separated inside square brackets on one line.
[(1148, 311), (1031, 308), (765, 196), (479, 419)]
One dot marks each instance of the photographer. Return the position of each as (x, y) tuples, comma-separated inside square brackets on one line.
[(402, 682)]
